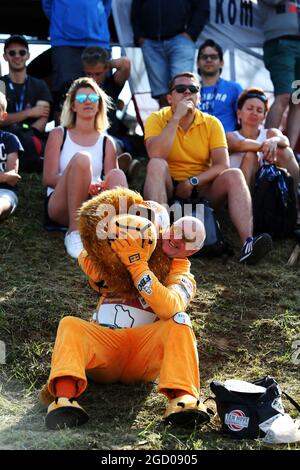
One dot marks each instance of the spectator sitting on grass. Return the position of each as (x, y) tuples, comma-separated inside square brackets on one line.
[(9, 162), (188, 154), (85, 163), (28, 104), (252, 145)]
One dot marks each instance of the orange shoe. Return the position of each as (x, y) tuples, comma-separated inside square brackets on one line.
[(65, 413), (186, 411)]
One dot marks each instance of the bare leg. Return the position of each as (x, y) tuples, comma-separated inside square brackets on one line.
[(5, 208), (277, 109), (71, 191), (231, 185), (115, 178), (293, 124), (249, 167), (158, 184)]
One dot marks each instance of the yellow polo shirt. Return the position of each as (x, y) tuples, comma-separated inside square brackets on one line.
[(190, 152)]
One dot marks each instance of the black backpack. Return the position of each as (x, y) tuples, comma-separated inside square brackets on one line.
[(249, 415), (214, 244), (274, 202)]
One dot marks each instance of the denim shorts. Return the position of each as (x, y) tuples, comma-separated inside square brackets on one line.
[(282, 59), (11, 196), (166, 58)]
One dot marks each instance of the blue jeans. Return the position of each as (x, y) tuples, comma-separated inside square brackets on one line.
[(164, 59)]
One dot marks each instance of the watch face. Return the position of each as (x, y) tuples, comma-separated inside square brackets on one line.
[(194, 181)]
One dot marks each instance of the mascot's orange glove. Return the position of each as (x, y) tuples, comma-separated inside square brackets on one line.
[(165, 301), (130, 251), (134, 240)]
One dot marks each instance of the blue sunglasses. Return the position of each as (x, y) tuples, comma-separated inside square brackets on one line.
[(82, 98)]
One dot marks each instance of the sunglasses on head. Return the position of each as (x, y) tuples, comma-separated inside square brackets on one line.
[(83, 97), (97, 56), (13, 52), (263, 98), (182, 88)]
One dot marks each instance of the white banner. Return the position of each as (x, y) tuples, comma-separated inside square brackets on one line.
[(234, 24)]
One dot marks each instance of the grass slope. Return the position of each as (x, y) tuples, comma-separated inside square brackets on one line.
[(245, 319)]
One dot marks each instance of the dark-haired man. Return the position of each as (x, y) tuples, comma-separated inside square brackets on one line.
[(28, 104), (97, 64), (188, 152), (218, 96)]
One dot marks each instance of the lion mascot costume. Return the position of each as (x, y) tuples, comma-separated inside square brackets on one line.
[(140, 330), (98, 223)]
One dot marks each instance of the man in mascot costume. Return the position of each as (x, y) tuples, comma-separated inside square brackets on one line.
[(140, 330)]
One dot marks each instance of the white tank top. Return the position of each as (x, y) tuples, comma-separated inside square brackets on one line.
[(236, 157), (70, 148)]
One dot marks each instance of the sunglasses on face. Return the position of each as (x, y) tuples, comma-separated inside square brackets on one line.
[(83, 97), (21, 52), (182, 88), (209, 56)]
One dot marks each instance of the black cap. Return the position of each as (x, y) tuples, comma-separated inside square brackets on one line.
[(18, 38)]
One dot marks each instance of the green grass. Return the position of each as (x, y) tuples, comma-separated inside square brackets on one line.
[(245, 319)]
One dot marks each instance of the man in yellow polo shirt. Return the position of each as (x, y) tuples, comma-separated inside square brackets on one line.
[(188, 151)]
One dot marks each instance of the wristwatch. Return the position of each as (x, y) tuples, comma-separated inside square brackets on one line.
[(194, 180)]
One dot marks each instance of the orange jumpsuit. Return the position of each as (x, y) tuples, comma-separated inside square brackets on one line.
[(120, 347)]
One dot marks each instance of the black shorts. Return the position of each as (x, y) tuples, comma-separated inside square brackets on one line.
[(50, 224)]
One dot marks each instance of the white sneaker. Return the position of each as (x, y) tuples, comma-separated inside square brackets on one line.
[(73, 243)]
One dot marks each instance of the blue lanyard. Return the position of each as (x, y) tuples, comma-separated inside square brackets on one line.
[(207, 105), (20, 104)]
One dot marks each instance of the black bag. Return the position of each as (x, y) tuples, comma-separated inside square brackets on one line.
[(33, 142), (274, 202), (214, 244), (248, 415)]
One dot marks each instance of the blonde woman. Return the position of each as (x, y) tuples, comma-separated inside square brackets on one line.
[(82, 162)]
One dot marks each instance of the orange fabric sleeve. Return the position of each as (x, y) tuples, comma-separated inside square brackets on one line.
[(171, 298), (89, 269)]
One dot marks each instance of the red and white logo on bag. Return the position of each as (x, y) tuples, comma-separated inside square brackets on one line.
[(236, 420)]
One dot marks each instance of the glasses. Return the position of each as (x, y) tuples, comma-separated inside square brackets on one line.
[(96, 56), (83, 97), (182, 88), (263, 98), (21, 52), (209, 56)]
